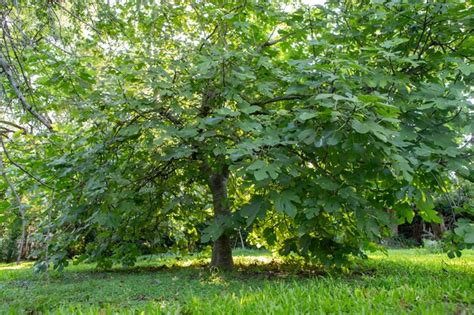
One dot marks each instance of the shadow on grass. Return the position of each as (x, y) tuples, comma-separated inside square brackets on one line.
[(168, 279), (250, 264), (267, 268)]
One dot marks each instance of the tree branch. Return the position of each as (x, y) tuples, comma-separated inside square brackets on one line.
[(13, 125), (21, 97), (21, 167), (280, 98), (269, 42)]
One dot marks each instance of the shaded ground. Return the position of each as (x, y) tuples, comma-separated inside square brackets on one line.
[(405, 281)]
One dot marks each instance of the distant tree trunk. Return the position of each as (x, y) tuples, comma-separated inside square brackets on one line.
[(21, 210), (12, 243), (222, 250), (438, 228)]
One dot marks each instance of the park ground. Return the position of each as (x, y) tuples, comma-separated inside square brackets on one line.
[(397, 282)]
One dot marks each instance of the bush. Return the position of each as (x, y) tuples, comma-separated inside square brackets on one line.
[(433, 246)]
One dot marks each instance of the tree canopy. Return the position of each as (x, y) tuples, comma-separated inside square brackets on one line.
[(139, 126)]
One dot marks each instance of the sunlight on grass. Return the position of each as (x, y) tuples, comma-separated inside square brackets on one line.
[(424, 258), (15, 266), (247, 260)]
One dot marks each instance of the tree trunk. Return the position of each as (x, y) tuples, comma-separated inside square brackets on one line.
[(438, 228), (222, 250)]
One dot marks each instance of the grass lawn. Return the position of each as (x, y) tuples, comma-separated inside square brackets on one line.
[(404, 281)]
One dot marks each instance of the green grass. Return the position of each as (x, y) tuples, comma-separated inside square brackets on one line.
[(405, 281)]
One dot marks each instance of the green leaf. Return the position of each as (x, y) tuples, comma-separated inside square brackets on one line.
[(465, 229), (258, 164), (469, 237), (425, 205), (332, 206), (306, 116), (308, 136), (327, 183), (466, 68), (261, 170), (360, 127), (405, 213), (311, 212), (256, 208), (285, 202), (250, 109), (401, 165), (260, 174)]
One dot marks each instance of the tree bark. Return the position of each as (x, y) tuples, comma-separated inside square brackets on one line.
[(438, 228), (222, 250)]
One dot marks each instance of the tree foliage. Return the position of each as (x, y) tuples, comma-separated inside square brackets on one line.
[(316, 128)]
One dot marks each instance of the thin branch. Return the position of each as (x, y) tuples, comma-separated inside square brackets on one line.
[(269, 42), (450, 119), (425, 25), (13, 125), (208, 37), (21, 167), (80, 19), (166, 114), (21, 97), (280, 98)]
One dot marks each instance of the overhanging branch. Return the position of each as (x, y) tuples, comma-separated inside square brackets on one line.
[(21, 168)]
